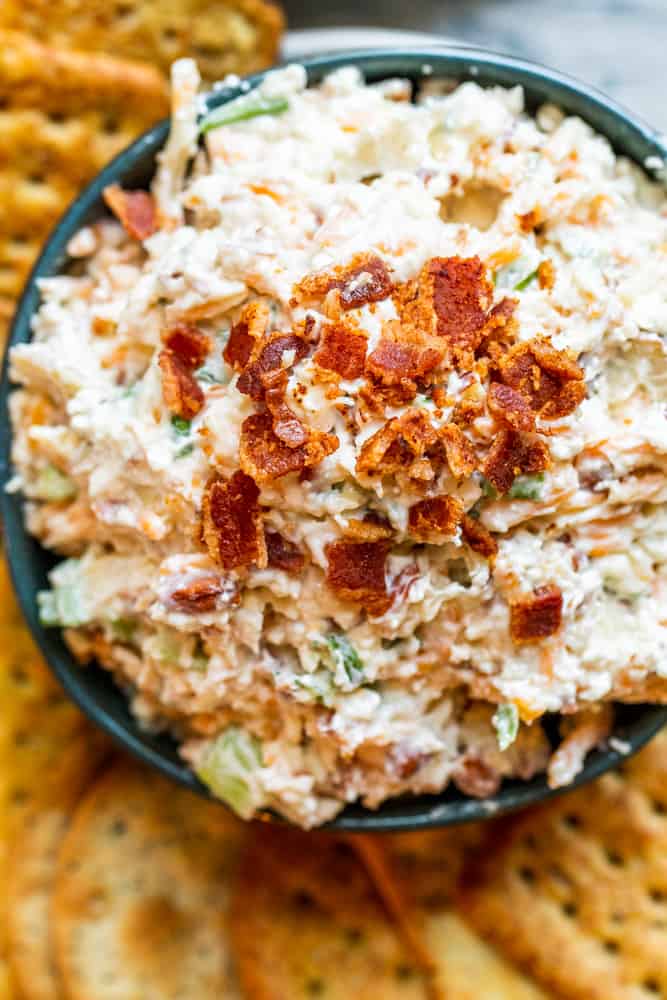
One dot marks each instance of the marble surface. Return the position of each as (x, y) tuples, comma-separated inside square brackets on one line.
[(619, 46)]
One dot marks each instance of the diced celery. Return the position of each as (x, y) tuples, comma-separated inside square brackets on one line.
[(54, 485), (527, 487), (63, 605), (230, 769), (241, 109), (506, 724)]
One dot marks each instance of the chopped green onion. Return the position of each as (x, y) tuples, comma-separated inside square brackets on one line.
[(506, 724), (180, 425), (520, 285), (230, 767), (318, 685), (527, 487), (241, 109), (187, 449), (345, 655), (488, 489), (54, 485), (204, 375)]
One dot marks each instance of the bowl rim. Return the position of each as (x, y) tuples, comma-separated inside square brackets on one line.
[(459, 61)]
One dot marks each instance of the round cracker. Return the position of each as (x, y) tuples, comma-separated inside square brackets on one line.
[(142, 890), (306, 922), (32, 870)]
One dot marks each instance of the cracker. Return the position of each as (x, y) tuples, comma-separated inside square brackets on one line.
[(225, 36), (31, 876), (577, 891), (63, 116), (306, 922), (142, 890)]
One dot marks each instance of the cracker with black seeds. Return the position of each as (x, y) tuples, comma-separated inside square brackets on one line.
[(576, 892), (224, 36), (307, 922), (142, 890)]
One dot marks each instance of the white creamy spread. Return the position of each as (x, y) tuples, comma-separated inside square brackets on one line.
[(284, 693)]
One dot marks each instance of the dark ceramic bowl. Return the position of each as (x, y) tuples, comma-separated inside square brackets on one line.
[(92, 688)]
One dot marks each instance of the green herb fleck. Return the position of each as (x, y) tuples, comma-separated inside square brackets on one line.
[(187, 449), (242, 109), (506, 724), (345, 655), (204, 375), (180, 425), (520, 285), (526, 487)]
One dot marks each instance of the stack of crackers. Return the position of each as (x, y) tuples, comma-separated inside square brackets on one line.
[(118, 885), (79, 79)]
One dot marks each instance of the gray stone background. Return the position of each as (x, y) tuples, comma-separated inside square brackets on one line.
[(618, 45)]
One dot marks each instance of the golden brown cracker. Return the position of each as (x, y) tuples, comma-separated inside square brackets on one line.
[(63, 116), (307, 922), (31, 875), (576, 892), (142, 891), (225, 36)]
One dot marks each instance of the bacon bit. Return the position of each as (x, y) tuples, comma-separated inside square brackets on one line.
[(462, 293), (474, 777), (393, 362), (469, 407), (373, 528), (248, 331), (551, 380), (530, 220), (232, 522), (401, 584), (283, 554), (182, 394), (458, 450), (537, 615), (135, 210), (478, 537), (512, 455), (286, 425), (509, 407), (342, 351), (269, 357), (188, 344), (546, 275), (264, 456), (435, 519), (365, 279), (439, 396), (396, 445), (356, 572), (501, 324), (199, 596)]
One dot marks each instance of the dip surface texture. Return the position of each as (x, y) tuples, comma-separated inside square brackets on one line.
[(353, 437)]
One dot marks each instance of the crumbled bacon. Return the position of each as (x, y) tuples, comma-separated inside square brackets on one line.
[(365, 279), (182, 394), (341, 350), (283, 554), (287, 426), (396, 445), (269, 357), (475, 777), (478, 537), (188, 344), (199, 596), (356, 571), (372, 528), (509, 407), (512, 455), (264, 456), (536, 616), (248, 331), (462, 294), (232, 522), (549, 379), (392, 361), (459, 452), (435, 519), (135, 210)]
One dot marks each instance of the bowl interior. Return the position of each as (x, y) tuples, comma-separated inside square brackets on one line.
[(91, 687)]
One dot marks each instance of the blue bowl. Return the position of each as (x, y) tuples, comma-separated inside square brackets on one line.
[(92, 688)]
